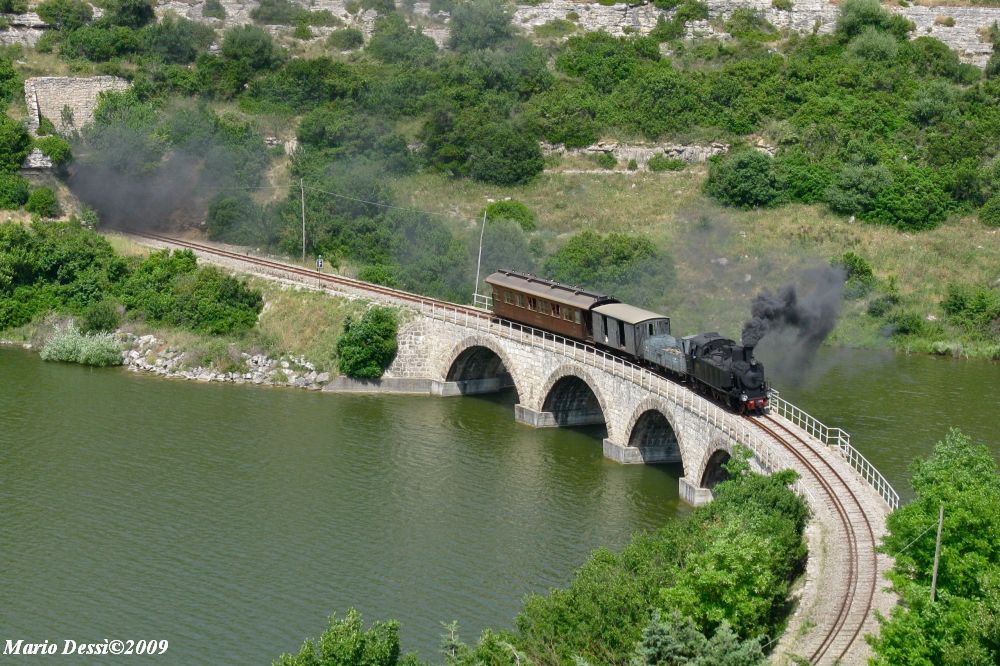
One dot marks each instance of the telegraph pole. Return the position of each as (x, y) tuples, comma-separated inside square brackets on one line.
[(937, 553), (479, 262), (302, 192)]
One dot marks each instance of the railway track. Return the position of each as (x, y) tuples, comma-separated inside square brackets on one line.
[(328, 278), (860, 568), (860, 579)]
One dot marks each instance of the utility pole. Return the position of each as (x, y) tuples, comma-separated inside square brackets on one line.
[(937, 553), (302, 192), (479, 262)]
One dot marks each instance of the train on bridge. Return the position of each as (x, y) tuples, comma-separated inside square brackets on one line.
[(711, 364)]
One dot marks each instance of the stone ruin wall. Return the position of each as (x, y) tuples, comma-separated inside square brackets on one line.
[(49, 95)]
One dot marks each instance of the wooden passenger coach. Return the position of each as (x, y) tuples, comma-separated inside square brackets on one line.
[(544, 304)]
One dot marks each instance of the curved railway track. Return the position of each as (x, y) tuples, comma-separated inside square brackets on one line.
[(854, 527), (861, 577), (329, 278)]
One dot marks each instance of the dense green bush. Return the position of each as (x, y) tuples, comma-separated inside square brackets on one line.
[(860, 279), (857, 15), (100, 43), (977, 309), (393, 41), (213, 9), (177, 40), (44, 202), (71, 346), (101, 316), (65, 14), (55, 148), (503, 154), (15, 143), (367, 346), (989, 214), (748, 23), (479, 24), (345, 39), (13, 191), (169, 288), (513, 210), (13, 6), (128, 13), (743, 178), (249, 46)]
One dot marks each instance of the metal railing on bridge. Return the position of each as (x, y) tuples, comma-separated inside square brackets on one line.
[(840, 440)]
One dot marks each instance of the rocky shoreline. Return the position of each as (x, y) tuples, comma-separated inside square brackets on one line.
[(147, 353)]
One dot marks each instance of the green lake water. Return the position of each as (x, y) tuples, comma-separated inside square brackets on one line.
[(232, 520)]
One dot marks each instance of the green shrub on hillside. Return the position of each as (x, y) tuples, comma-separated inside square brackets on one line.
[(65, 14), (236, 218), (977, 309), (13, 191), (367, 346), (43, 201), (213, 9), (512, 210), (743, 178), (989, 214), (128, 13), (345, 39), (71, 346), (55, 148), (176, 40), (860, 279), (479, 24), (15, 143), (99, 43), (101, 316)]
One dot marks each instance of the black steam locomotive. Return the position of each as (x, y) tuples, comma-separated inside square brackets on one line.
[(713, 365)]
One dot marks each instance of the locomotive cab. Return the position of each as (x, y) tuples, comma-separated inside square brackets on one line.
[(727, 371)]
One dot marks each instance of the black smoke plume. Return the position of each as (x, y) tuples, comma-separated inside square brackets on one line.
[(804, 315)]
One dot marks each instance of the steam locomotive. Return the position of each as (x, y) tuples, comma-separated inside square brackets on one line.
[(711, 364)]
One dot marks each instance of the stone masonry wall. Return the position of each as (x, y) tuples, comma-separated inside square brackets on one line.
[(49, 95)]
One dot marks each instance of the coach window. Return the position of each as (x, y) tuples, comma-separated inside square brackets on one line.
[(508, 297), (650, 329), (568, 314), (543, 307), (576, 316), (532, 303), (621, 333), (555, 310), (520, 300)]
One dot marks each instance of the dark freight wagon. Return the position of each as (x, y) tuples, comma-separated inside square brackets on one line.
[(544, 304), (625, 327)]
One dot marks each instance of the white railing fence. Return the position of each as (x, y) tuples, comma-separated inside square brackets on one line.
[(737, 429)]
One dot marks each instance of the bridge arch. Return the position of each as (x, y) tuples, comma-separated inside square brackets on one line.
[(652, 430), (713, 473), (572, 396), (479, 358)]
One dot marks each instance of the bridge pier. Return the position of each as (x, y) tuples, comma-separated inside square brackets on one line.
[(471, 386), (542, 419), (635, 455), (692, 493)]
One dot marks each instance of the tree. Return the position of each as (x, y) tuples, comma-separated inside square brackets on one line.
[(15, 143), (367, 346), (856, 15), (744, 178), (963, 625), (677, 640), (65, 14), (479, 24), (236, 218), (393, 41)]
